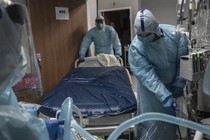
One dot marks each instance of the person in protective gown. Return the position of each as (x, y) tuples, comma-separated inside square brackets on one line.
[(154, 56), (105, 39), (16, 123)]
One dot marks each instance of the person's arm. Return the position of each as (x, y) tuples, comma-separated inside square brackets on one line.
[(145, 72), (182, 49), (116, 42), (86, 42)]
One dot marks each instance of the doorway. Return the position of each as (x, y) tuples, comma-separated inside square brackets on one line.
[(119, 19)]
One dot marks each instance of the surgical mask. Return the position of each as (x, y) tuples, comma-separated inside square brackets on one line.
[(149, 39), (146, 39), (100, 26)]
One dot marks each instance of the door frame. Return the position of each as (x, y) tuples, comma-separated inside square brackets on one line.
[(121, 8)]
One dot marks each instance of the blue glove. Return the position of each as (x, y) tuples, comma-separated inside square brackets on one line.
[(117, 56), (171, 110), (177, 92), (168, 102), (170, 106), (52, 127), (81, 59)]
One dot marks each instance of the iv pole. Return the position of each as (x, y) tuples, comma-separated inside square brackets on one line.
[(97, 7)]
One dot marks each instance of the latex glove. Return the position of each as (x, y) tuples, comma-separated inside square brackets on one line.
[(52, 127), (81, 59), (117, 56), (171, 110), (170, 106), (177, 91)]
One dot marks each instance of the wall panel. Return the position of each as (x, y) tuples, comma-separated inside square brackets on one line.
[(57, 41)]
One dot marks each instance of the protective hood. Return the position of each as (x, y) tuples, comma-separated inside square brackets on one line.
[(99, 17), (99, 22), (146, 22)]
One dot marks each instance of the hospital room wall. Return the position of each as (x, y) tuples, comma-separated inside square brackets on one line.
[(57, 41), (20, 1), (164, 10)]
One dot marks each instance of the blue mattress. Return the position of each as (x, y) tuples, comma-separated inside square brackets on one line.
[(96, 91)]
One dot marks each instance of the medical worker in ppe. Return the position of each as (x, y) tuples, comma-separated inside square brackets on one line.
[(105, 39), (16, 124), (154, 57)]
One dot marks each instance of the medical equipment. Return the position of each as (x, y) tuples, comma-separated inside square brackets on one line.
[(138, 119), (71, 127), (180, 13), (66, 130), (74, 128), (103, 94), (161, 117), (192, 66), (206, 87)]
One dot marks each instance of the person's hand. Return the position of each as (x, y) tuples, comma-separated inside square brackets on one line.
[(177, 92), (170, 106), (81, 59), (117, 56), (171, 110)]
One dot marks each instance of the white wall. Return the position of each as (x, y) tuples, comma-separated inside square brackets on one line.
[(19, 1), (91, 13), (163, 10)]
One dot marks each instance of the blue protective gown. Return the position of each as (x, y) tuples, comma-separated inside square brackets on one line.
[(104, 40), (156, 66)]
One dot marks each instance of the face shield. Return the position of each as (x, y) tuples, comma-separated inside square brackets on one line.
[(16, 47), (16, 123), (13, 62)]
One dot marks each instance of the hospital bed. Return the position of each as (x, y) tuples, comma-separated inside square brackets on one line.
[(103, 94)]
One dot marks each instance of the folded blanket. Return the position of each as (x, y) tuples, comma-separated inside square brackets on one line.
[(108, 60)]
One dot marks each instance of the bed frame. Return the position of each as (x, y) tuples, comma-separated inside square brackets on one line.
[(104, 125)]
